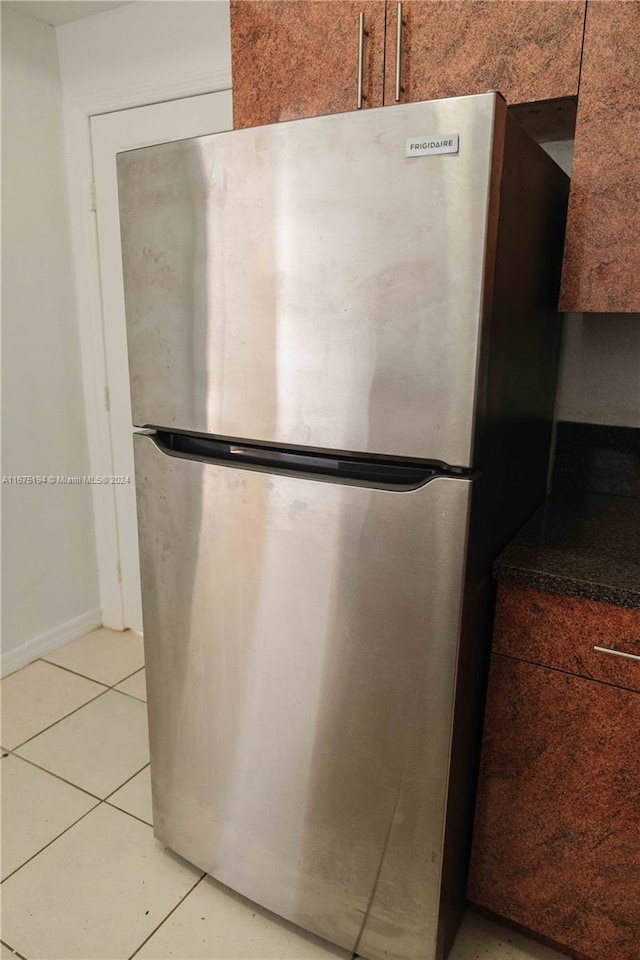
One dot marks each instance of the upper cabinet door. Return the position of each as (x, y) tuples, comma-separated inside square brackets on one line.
[(450, 48), (602, 250), (294, 59)]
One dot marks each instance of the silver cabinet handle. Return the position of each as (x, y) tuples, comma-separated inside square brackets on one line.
[(399, 25), (617, 653), (362, 33)]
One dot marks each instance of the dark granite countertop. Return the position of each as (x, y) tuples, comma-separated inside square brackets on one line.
[(584, 545)]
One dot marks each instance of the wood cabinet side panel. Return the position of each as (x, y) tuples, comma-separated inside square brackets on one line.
[(293, 59), (526, 49), (602, 251), (556, 844)]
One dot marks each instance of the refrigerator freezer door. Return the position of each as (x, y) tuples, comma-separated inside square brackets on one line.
[(308, 284), (301, 640)]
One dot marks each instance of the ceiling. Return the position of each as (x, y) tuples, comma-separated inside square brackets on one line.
[(57, 12)]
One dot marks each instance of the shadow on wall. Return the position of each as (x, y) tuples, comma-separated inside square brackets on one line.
[(600, 369)]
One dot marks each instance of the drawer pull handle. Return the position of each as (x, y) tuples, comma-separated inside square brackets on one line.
[(399, 25), (617, 653)]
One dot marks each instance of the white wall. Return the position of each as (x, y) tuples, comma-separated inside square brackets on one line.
[(600, 369), (49, 563), (145, 45)]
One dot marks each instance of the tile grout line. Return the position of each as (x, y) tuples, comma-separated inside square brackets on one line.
[(107, 689), (163, 921), (14, 952), (129, 675), (69, 670), (130, 695), (128, 780), (37, 766), (66, 830), (69, 783), (18, 746), (92, 809), (84, 676), (128, 813), (110, 686), (94, 796)]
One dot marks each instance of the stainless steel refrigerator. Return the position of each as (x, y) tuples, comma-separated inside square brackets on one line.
[(342, 344)]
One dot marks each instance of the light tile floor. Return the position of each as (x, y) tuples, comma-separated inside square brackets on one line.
[(83, 876)]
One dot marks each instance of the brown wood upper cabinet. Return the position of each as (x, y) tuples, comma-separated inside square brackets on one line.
[(602, 251), (526, 50), (298, 58)]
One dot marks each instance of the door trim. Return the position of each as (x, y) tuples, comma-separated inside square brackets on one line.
[(86, 262)]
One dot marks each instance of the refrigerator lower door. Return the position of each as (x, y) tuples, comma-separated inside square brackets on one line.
[(301, 640)]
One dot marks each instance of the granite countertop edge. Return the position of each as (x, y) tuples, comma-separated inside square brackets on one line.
[(580, 546), (505, 572)]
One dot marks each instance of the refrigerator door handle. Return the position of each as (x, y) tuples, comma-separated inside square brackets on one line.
[(329, 466)]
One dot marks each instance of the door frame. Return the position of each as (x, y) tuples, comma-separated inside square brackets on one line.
[(88, 295)]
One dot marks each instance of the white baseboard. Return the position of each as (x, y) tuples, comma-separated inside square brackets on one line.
[(49, 640)]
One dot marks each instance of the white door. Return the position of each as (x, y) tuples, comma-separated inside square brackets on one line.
[(110, 134)]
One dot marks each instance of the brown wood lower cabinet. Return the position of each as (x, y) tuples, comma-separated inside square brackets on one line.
[(569, 634), (557, 832)]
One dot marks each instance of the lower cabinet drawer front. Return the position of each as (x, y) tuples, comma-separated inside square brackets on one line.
[(558, 631), (557, 832)]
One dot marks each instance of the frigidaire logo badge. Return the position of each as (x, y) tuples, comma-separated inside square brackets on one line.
[(432, 144)]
